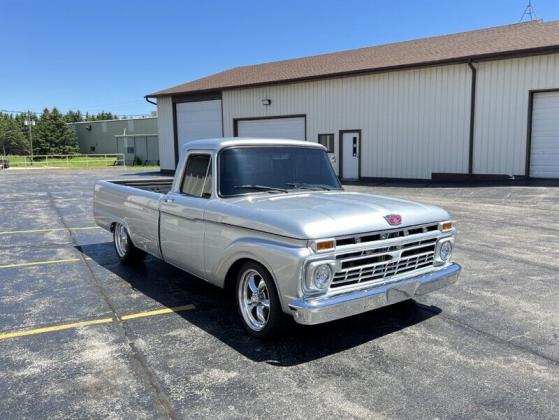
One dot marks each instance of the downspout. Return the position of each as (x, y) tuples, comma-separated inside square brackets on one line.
[(472, 118), (148, 100)]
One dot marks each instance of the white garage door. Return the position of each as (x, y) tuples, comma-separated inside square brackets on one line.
[(545, 136), (198, 120), (273, 128)]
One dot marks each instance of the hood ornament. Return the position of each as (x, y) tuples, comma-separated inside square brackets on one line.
[(393, 219)]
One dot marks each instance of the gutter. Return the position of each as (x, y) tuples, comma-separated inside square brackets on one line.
[(472, 118), (148, 100)]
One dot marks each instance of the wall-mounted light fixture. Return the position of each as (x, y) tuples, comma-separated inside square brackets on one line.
[(266, 102)]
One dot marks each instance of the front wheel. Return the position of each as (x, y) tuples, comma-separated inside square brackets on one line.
[(257, 301), (125, 249)]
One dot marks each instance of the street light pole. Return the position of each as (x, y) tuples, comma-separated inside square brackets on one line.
[(29, 123)]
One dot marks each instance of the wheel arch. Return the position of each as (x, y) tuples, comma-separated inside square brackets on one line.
[(123, 223), (235, 267)]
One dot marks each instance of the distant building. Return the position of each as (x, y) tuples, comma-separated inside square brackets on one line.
[(132, 137)]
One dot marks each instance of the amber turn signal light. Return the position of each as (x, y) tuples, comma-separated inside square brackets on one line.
[(446, 226), (325, 246)]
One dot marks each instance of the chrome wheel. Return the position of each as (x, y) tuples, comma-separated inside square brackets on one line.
[(121, 240), (254, 299)]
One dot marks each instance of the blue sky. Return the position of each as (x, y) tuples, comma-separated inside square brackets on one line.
[(106, 55)]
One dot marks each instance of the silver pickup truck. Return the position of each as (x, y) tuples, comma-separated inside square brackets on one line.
[(269, 220)]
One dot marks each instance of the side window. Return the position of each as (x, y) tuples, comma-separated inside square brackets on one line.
[(197, 179), (327, 140)]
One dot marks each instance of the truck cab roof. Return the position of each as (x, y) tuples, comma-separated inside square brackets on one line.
[(220, 143)]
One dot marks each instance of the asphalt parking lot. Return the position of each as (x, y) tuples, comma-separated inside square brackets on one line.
[(83, 336)]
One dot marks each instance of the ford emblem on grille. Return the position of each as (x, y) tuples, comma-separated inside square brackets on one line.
[(393, 219)]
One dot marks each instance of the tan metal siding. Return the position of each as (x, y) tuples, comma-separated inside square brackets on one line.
[(502, 110), (413, 122), (165, 129)]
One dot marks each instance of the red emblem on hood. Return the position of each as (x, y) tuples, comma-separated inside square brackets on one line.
[(393, 219)]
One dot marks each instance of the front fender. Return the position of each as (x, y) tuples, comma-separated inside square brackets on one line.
[(284, 262)]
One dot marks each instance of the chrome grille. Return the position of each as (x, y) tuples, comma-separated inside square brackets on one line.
[(388, 234), (378, 265)]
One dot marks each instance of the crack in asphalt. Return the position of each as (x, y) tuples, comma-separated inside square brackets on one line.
[(492, 251), (491, 337), (147, 375)]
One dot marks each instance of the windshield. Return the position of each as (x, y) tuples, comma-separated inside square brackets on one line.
[(274, 169)]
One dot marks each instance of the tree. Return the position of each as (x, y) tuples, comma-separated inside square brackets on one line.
[(73, 116), (20, 120), (52, 135), (12, 139), (77, 116), (104, 116)]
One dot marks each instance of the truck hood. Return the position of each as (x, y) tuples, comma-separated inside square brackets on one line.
[(313, 215)]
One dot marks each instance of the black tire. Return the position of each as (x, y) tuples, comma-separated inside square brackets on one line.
[(128, 253), (274, 314)]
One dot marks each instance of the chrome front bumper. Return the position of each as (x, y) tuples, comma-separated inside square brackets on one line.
[(316, 310)]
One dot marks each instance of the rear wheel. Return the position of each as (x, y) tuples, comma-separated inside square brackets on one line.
[(125, 249), (257, 301)]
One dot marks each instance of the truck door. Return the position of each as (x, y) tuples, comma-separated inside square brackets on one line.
[(182, 224)]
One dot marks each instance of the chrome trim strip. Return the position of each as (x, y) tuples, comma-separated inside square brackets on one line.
[(401, 240)]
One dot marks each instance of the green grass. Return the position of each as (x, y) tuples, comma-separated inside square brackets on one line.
[(71, 162)]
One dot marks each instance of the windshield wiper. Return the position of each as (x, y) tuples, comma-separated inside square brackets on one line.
[(259, 187), (305, 186)]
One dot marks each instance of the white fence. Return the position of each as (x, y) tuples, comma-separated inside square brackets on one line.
[(65, 161)]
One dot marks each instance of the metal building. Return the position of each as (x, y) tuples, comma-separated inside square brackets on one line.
[(132, 137), (476, 104)]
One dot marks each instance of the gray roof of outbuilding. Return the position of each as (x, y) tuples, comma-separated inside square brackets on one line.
[(529, 37)]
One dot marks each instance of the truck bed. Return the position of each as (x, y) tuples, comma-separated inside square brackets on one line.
[(134, 203), (157, 185)]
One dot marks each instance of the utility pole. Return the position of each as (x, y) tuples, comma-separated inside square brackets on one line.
[(30, 123), (529, 12)]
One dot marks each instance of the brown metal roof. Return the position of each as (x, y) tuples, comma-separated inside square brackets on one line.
[(502, 40)]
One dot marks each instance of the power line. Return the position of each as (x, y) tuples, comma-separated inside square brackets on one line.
[(7, 111)]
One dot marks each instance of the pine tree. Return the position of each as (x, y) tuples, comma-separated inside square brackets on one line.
[(12, 139), (104, 116), (73, 116), (53, 136), (20, 120)]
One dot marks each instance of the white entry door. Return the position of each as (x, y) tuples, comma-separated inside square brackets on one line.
[(545, 136), (351, 143)]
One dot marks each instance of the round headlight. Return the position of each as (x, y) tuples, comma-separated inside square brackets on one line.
[(445, 251), (321, 276)]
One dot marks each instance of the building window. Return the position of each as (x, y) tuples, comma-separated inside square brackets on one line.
[(130, 150), (91, 148), (327, 140), (198, 176)]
